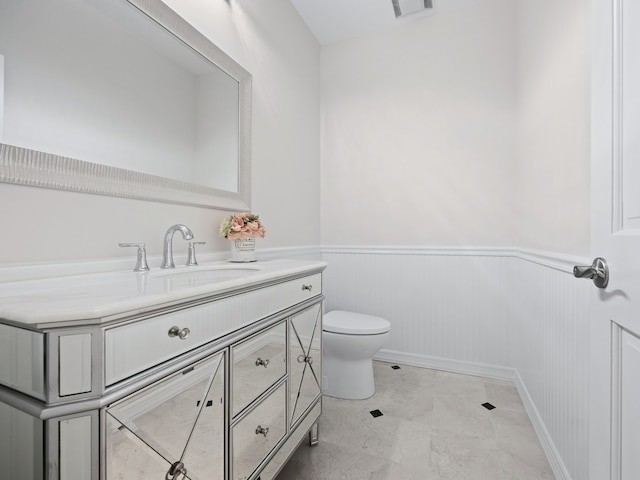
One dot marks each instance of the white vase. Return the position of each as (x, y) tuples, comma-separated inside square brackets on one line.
[(243, 250)]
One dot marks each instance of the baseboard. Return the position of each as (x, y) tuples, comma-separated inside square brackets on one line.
[(490, 371), (553, 456), (445, 364)]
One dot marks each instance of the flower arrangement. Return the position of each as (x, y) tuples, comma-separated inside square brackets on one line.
[(241, 226)]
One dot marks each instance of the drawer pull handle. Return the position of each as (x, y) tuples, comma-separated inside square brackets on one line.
[(307, 287), (175, 471), (305, 359), (264, 363), (262, 430), (178, 332)]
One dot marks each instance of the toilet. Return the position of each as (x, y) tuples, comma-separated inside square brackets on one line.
[(349, 342)]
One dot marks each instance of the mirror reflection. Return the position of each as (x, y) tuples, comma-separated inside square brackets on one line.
[(305, 350), (179, 419), (101, 82)]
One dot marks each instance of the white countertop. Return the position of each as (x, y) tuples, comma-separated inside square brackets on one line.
[(99, 297)]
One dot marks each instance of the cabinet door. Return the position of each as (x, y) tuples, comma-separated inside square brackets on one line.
[(305, 353), (173, 429)]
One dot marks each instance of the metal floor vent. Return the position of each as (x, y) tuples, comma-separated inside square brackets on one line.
[(403, 8)]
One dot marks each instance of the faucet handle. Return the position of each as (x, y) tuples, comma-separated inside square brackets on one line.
[(191, 255), (141, 257)]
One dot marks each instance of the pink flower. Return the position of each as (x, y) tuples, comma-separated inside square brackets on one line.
[(242, 226), (237, 224)]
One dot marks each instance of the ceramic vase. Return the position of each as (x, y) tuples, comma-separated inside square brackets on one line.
[(243, 250)]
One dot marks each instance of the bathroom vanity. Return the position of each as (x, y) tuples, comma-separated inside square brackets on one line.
[(207, 372)]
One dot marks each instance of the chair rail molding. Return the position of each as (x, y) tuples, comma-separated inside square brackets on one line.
[(558, 261)]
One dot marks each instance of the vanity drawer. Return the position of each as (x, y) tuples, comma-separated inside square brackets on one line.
[(258, 363), (258, 433), (134, 347)]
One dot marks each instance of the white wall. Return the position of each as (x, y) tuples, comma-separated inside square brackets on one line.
[(274, 45), (418, 132), (553, 160), (466, 128)]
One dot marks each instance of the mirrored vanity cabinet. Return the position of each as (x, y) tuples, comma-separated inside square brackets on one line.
[(210, 372)]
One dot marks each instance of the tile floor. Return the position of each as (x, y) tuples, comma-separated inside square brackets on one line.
[(433, 426)]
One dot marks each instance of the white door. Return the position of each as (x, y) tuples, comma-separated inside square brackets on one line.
[(615, 320)]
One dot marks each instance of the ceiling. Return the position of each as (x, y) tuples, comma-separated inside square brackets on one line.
[(334, 20)]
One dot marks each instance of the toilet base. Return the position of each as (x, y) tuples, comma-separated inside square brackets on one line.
[(349, 343), (348, 380)]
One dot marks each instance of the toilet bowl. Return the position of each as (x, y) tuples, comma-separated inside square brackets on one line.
[(349, 342)]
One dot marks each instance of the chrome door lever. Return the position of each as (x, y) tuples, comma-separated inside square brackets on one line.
[(598, 271)]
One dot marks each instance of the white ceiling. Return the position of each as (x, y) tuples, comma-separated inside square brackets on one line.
[(334, 20)]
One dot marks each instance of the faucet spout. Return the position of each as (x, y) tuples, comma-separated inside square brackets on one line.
[(167, 249)]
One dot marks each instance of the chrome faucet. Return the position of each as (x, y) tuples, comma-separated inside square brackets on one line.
[(167, 250), (141, 258)]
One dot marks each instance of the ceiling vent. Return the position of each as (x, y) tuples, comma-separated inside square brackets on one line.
[(402, 8)]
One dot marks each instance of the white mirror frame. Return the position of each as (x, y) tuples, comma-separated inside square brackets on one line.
[(39, 169)]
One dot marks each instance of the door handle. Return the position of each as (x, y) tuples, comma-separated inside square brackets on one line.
[(598, 271)]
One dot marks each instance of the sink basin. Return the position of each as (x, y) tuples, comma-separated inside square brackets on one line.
[(208, 273)]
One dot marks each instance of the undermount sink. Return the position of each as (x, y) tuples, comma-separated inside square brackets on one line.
[(209, 273)]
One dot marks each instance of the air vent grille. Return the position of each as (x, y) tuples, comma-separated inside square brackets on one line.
[(403, 8)]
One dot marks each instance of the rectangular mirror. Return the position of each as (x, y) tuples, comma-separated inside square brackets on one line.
[(123, 98)]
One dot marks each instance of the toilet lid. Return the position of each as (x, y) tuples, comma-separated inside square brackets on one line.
[(352, 323)]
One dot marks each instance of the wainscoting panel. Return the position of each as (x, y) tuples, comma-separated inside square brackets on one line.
[(550, 352), (438, 305), (503, 313)]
